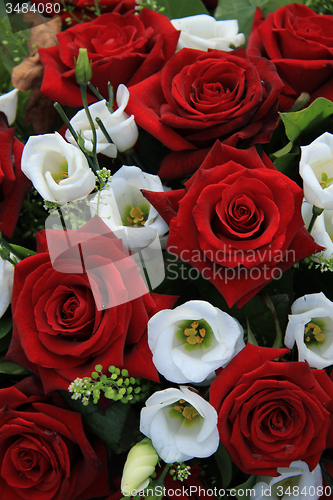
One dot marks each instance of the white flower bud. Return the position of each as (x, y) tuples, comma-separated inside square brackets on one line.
[(139, 466), (121, 128)]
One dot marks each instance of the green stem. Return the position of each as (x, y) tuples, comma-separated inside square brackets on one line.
[(95, 91), (269, 303), (72, 131), (10, 249), (315, 213), (98, 12), (103, 129), (83, 89), (111, 98)]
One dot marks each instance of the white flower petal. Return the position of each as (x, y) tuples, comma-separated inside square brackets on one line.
[(203, 32), (316, 160), (179, 362), (173, 440), (124, 190), (311, 308), (8, 105), (6, 284)]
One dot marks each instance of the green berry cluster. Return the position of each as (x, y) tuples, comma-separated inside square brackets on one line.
[(119, 386), (180, 472)]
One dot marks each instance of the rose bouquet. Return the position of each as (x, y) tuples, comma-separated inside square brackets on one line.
[(166, 222)]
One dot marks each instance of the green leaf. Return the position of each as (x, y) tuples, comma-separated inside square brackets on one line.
[(13, 368), (243, 11), (308, 120), (224, 464), (21, 252), (243, 491), (175, 9), (5, 326), (111, 426), (328, 478), (250, 337), (255, 311), (13, 46), (288, 164)]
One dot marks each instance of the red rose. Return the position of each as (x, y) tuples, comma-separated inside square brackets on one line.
[(199, 97), (60, 328), (271, 414), (44, 452), (238, 221), (300, 44), (123, 49), (14, 185)]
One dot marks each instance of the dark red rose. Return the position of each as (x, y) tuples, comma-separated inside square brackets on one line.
[(272, 413), (199, 97), (14, 185), (44, 451), (238, 221), (123, 49), (68, 320), (300, 44)]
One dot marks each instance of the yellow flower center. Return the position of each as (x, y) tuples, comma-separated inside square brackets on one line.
[(185, 409), (136, 217), (325, 181), (313, 332), (194, 335), (60, 172)]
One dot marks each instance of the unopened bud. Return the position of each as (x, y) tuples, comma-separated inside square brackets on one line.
[(139, 466), (83, 68)]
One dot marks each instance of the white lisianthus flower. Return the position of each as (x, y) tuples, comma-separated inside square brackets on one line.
[(126, 211), (322, 231), (6, 284), (59, 171), (121, 128), (191, 341), (8, 105), (181, 425), (293, 482), (316, 170), (311, 327), (203, 32)]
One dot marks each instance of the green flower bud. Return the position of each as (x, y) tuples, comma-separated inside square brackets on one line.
[(83, 68), (140, 464)]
